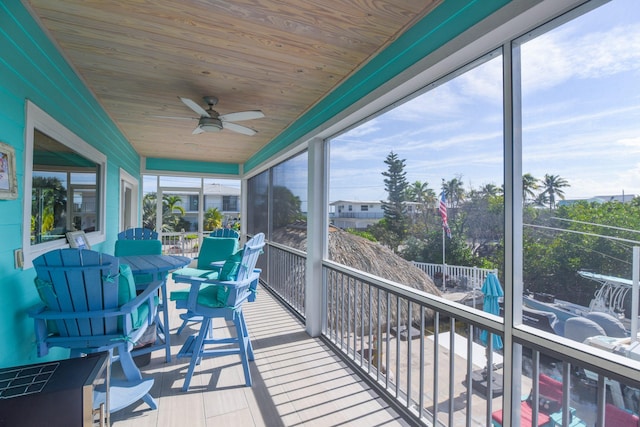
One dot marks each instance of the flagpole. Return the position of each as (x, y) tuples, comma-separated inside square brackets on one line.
[(443, 261)]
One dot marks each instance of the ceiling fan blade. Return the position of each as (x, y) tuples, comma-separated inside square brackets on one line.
[(195, 107), (175, 118), (198, 130), (242, 115), (238, 128)]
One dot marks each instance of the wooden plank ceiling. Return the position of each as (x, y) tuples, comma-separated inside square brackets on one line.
[(278, 56)]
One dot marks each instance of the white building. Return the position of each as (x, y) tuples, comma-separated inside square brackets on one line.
[(356, 214)]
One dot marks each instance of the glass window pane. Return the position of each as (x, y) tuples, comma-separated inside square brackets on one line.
[(64, 191), (289, 201), (388, 175), (257, 199), (580, 115)]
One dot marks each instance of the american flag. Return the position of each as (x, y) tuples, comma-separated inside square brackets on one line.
[(443, 213)]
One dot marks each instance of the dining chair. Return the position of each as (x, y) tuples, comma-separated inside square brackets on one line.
[(89, 304), (221, 297), (224, 232), (214, 251), (138, 233), (142, 241)]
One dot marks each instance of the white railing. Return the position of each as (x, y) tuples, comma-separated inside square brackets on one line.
[(185, 243), (400, 340), (455, 275)]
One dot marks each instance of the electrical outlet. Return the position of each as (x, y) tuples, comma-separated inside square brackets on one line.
[(18, 258)]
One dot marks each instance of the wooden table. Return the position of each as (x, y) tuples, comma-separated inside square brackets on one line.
[(158, 266)]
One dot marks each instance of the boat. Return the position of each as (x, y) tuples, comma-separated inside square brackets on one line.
[(609, 298)]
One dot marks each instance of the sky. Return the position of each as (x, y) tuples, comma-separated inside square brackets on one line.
[(580, 109)]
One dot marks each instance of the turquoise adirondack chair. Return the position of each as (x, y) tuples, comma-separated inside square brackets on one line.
[(142, 241), (215, 249), (221, 297), (89, 305)]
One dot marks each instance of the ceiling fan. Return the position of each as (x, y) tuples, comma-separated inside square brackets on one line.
[(211, 121)]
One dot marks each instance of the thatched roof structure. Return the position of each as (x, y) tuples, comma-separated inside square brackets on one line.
[(365, 255)]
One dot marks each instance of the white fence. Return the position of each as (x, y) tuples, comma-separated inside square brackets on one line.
[(455, 275)]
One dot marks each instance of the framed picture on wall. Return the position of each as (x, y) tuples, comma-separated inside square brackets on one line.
[(8, 184), (77, 239)]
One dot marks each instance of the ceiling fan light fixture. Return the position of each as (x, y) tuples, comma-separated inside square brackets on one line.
[(210, 124)]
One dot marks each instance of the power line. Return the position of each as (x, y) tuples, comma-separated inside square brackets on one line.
[(583, 233), (599, 225)]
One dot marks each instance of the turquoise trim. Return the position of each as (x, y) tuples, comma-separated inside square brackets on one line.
[(446, 22), (172, 165)]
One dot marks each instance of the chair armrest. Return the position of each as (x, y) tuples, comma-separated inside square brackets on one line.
[(147, 295)]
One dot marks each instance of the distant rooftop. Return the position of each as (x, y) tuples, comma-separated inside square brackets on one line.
[(622, 198)]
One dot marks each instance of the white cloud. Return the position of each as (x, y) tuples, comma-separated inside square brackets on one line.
[(561, 55)]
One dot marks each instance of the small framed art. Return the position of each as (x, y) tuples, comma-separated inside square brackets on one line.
[(77, 239), (8, 184)]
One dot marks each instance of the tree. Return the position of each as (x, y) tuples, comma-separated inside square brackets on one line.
[(529, 185), (286, 207), (48, 205), (490, 190), (553, 256), (149, 211), (395, 184), (553, 185), (212, 219), (419, 192), (173, 203), (454, 191), (171, 220)]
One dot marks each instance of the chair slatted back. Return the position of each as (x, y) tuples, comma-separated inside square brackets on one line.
[(224, 232), (76, 280), (138, 234), (252, 250)]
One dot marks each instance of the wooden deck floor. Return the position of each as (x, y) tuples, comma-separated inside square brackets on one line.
[(297, 381)]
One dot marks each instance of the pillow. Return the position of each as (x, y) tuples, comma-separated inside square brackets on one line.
[(127, 292), (546, 405), (231, 266), (215, 249), (213, 296), (550, 395)]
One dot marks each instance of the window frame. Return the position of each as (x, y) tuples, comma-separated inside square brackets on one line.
[(36, 118)]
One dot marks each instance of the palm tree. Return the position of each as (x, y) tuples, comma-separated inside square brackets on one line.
[(173, 203), (421, 193), (490, 190), (170, 218), (149, 211), (553, 185), (454, 191), (529, 185), (212, 219)]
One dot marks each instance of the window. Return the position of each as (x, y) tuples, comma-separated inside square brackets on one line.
[(446, 137), (580, 156), (277, 200), (258, 201), (230, 203), (65, 178), (193, 203)]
